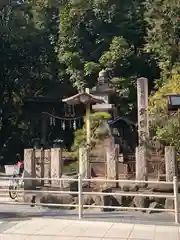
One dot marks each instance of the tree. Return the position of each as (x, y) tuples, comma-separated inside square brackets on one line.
[(163, 18), (168, 133), (28, 67), (162, 42), (165, 126), (99, 130), (157, 102), (108, 34)]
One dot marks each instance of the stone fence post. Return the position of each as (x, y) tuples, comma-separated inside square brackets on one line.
[(56, 165), (29, 168), (141, 163), (111, 162), (170, 163), (47, 166)]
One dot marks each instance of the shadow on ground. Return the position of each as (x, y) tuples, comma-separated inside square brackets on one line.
[(22, 213)]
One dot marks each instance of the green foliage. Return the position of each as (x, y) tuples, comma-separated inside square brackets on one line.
[(104, 34), (119, 51), (168, 133), (99, 130), (71, 168), (70, 41), (163, 33), (91, 68), (163, 42), (166, 126), (28, 66), (157, 102)]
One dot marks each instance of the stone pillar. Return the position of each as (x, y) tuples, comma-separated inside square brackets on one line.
[(29, 168), (42, 166), (84, 163), (56, 165), (170, 163), (142, 105), (143, 129), (38, 165), (141, 163), (111, 164), (111, 161), (47, 166)]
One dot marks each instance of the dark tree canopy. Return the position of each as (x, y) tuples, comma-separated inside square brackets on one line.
[(68, 42)]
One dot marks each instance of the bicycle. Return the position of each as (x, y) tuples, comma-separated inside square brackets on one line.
[(16, 182)]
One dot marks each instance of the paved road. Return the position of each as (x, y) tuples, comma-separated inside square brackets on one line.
[(14, 212), (55, 229)]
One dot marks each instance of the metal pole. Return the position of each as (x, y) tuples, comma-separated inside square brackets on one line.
[(80, 203), (176, 200)]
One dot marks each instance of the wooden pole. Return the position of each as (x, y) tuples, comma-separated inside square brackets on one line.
[(88, 134), (88, 124)]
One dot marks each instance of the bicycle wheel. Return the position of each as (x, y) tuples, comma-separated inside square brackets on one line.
[(13, 187)]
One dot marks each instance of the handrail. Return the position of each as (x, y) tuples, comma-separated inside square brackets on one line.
[(89, 180), (80, 181)]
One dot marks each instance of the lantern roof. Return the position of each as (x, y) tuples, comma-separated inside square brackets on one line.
[(83, 97)]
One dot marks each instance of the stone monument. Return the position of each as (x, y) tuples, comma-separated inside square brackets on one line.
[(143, 129)]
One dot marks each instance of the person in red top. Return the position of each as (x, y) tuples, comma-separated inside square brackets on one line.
[(20, 165)]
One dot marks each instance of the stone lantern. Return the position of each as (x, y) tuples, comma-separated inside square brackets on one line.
[(103, 91)]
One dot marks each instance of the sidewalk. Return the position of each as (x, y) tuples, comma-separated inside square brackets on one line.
[(54, 229)]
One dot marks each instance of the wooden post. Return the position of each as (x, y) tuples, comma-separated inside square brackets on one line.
[(84, 163), (88, 124), (170, 163)]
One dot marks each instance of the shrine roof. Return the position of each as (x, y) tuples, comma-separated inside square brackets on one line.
[(89, 98), (118, 119)]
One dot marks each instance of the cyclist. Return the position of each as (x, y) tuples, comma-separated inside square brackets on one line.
[(17, 180), (21, 167)]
